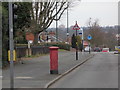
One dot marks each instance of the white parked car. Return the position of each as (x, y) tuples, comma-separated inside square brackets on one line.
[(87, 49)]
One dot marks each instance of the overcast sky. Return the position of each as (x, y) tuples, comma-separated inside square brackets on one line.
[(104, 10)]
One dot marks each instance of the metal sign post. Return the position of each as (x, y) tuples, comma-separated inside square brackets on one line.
[(82, 33), (89, 38), (89, 47), (11, 45), (76, 47), (76, 27), (82, 40)]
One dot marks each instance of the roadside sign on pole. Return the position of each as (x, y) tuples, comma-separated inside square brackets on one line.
[(80, 33), (29, 36), (89, 37), (76, 27)]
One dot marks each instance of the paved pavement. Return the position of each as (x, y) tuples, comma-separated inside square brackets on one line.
[(34, 73), (101, 71)]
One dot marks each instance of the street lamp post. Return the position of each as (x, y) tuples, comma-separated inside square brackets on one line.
[(47, 37), (11, 45), (56, 25), (67, 23), (0, 38)]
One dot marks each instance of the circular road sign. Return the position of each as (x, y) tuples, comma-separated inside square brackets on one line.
[(29, 36), (89, 37)]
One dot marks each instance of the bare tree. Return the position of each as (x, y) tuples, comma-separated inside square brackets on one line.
[(100, 36), (96, 32), (44, 13)]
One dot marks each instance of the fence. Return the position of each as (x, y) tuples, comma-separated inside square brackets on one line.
[(22, 51), (39, 50)]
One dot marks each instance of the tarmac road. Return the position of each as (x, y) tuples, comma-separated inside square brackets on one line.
[(99, 72)]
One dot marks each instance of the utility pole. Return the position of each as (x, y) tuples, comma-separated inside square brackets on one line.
[(11, 45)]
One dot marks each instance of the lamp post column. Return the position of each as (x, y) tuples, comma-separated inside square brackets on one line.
[(11, 45)]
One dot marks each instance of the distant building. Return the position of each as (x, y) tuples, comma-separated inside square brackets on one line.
[(48, 37)]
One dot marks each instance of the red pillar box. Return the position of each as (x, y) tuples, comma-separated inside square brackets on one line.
[(53, 60)]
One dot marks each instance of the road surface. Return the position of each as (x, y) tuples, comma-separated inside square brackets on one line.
[(98, 72)]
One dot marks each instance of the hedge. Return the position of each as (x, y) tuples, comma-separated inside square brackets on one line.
[(60, 45)]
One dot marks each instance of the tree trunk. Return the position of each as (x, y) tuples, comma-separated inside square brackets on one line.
[(36, 39)]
